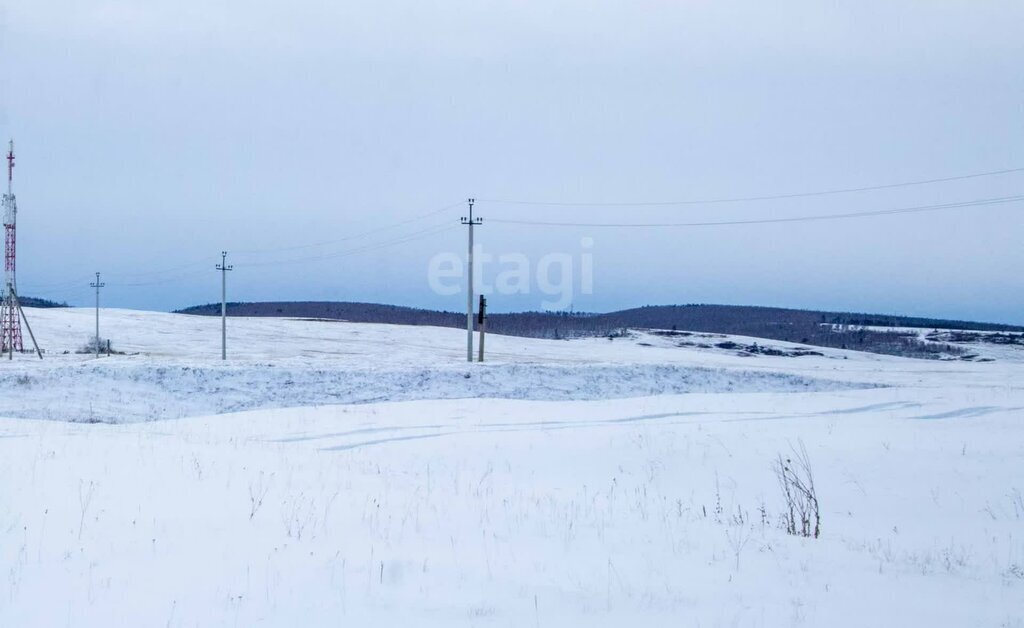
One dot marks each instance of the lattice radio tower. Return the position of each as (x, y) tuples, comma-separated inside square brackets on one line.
[(10, 311)]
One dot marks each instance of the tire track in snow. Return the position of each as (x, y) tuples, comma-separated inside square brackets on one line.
[(555, 424)]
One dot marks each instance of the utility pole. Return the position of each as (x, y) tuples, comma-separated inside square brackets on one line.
[(224, 268), (96, 284), (470, 222), (482, 320)]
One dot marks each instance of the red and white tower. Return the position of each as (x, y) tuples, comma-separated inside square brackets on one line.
[(10, 319)]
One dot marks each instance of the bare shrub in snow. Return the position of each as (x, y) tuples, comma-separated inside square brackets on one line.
[(257, 491), (738, 539), (105, 347), (1017, 499), (84, 501), (803, 515), (1014, 571)]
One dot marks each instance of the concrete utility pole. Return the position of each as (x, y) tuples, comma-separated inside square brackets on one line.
[(482, 320), (470, 222), (96, 284), (224, 268)]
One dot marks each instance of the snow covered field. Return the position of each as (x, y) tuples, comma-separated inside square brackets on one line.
[(586, 482)]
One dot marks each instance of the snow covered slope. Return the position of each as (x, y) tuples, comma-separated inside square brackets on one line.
[(513, 513), (172, 368), (591, 494)]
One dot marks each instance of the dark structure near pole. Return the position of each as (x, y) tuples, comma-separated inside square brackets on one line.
[(482, 322)]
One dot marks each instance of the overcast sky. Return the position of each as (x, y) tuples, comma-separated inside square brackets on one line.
[(152, 135)]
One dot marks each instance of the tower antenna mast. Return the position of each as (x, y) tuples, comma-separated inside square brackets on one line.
[(10, 312)]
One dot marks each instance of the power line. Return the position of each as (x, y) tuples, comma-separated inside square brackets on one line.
[(762, 197), (147, 273), (60, 284), (401, 223), (344, 253), (763, 221), (157, 282), (416, 235), (57, 293), (197, 263)]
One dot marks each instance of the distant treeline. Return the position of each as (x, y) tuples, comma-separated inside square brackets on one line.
[(842, 330), (37, 302)]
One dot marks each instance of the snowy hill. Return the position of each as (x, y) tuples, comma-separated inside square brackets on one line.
[(588, 482), (170, 366), (875, 333)]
